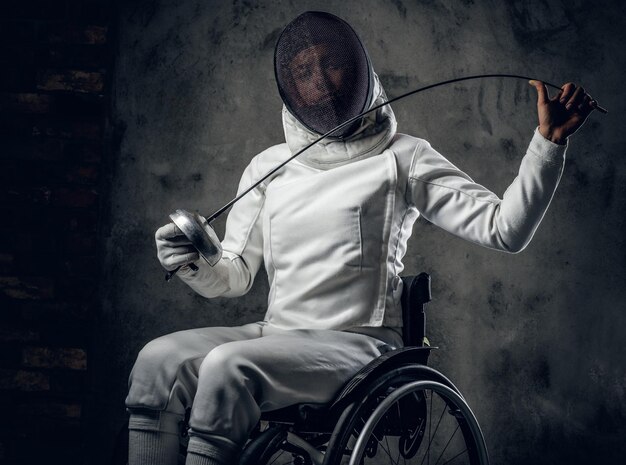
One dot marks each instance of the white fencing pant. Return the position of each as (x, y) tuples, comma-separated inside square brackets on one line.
[(228, 376)]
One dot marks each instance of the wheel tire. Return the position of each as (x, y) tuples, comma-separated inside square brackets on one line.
[(359, 441)]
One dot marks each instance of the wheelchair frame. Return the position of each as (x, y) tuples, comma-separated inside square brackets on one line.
[(319, 434)]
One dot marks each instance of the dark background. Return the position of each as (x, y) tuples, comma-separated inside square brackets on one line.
[(112, 115)]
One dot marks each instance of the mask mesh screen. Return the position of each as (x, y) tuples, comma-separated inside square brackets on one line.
[(322, 71)]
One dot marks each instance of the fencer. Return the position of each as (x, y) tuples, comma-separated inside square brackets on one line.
[(331, 229)]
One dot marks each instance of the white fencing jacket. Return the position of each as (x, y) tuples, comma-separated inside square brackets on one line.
[(332, 225)]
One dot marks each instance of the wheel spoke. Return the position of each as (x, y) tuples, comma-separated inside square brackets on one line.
[(443, 411), (457, 455), (396, 461), (430, 427), (430, 435), (447, 444), (386, 449)]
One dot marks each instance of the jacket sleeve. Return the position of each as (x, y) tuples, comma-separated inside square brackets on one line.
[(242, 246), (449, 198)]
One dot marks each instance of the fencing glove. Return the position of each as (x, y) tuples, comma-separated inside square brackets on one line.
[(173, 247)]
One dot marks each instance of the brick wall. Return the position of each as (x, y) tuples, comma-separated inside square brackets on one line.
[(55, 60)]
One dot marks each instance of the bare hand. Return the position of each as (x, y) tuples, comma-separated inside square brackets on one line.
[(562, 115)]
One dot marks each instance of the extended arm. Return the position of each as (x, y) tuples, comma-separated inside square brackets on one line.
[(449, 198)]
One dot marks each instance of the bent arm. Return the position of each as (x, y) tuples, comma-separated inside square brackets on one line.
[(242, 247), (449, 198)]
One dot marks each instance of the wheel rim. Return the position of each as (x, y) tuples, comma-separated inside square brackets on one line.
[(443, 430)]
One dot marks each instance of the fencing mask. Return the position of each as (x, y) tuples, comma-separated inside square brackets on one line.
[(323, 72)]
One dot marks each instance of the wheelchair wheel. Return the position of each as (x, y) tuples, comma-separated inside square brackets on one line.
[(413, 415), (408, 421)]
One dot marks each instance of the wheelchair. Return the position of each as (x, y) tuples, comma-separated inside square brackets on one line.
[(396, 410)]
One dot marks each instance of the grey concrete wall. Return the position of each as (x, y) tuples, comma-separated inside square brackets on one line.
[(535, 340)]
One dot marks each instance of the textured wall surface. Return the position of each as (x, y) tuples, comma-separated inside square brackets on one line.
[(55, 63), (535, 340)]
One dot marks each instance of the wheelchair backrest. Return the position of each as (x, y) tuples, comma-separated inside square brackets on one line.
[(415, 295)]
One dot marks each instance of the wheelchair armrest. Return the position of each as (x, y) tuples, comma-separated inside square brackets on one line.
[(415, 295)]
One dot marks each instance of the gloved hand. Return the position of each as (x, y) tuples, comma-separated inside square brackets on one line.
[(173, 247)]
